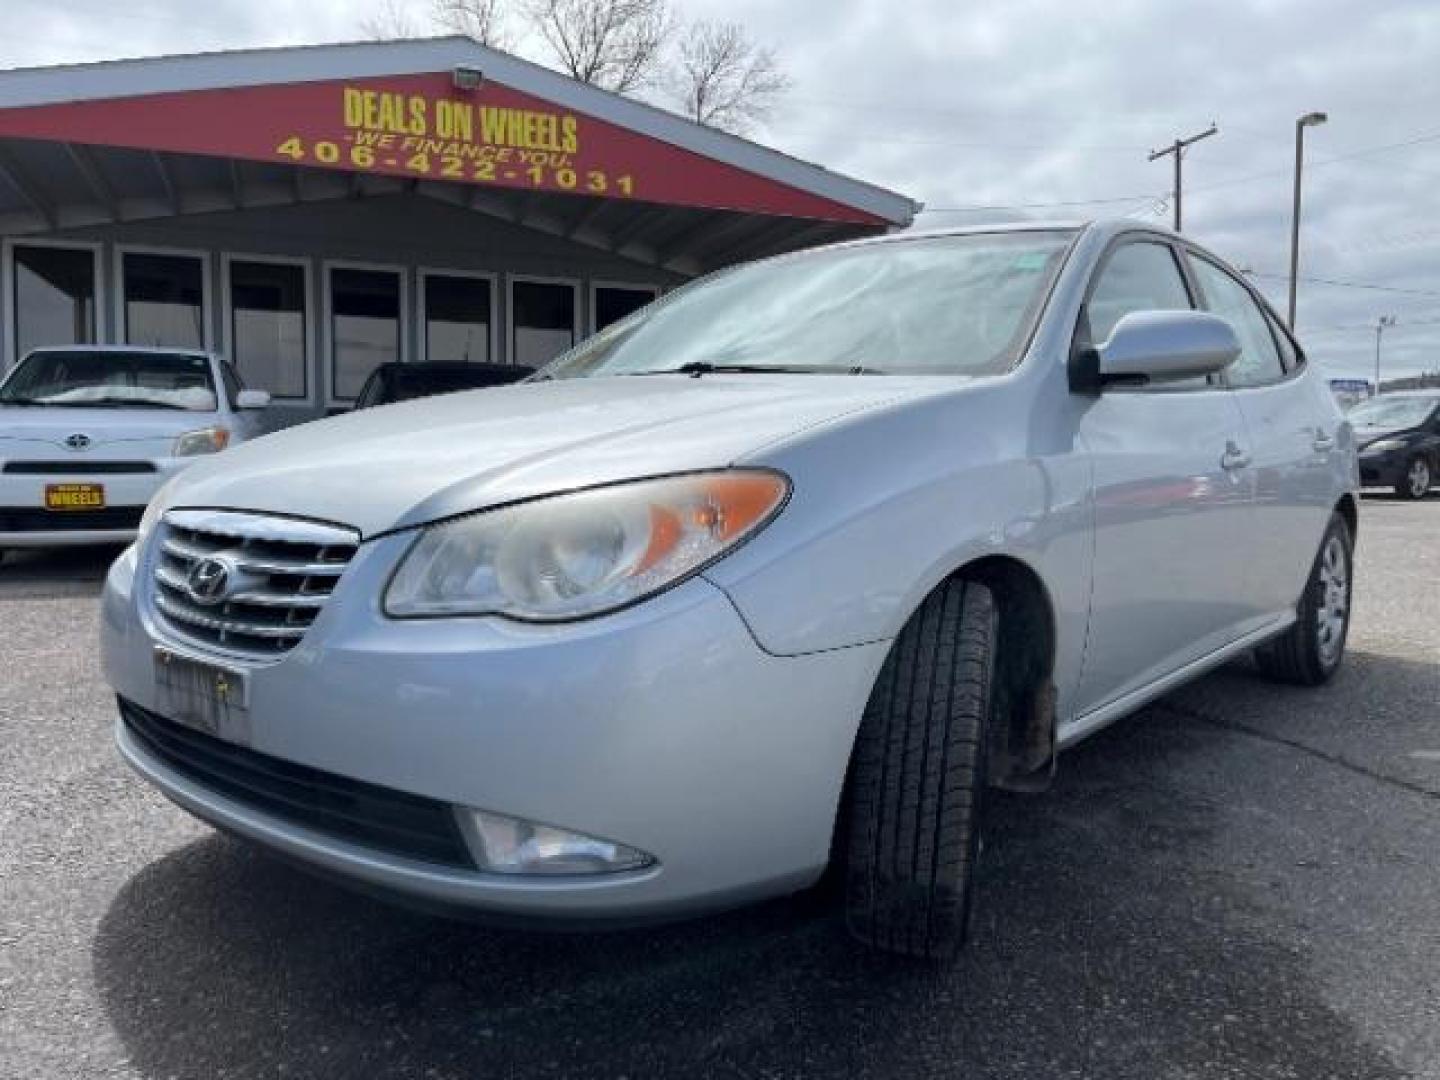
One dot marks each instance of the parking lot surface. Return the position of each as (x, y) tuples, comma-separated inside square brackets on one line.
[(1241, 881)]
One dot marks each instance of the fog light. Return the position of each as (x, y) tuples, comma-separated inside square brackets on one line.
[(506, 845)]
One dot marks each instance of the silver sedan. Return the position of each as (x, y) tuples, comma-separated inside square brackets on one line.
[(784, 570)]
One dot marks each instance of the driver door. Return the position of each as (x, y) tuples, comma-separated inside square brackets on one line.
[(1172, 498)]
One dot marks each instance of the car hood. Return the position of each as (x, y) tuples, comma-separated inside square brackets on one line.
[(406, 464), (1368, 433), (29, 429)]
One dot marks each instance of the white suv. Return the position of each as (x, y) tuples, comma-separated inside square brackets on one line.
[(88, 433), (784, 569)]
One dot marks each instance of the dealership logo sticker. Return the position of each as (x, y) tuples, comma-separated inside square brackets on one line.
[(78, 441), (208, 581)]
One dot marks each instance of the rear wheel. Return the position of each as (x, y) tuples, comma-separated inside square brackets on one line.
[(1415, 483), (918, 778), (1311, 650)]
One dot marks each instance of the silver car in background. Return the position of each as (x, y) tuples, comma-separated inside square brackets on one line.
[(784, 570), (88, 433)]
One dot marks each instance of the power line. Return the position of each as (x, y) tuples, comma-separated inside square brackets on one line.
[(1110, 200), (1352, 284)]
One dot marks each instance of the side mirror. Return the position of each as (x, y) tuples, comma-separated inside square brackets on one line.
[(252, 399), (1166, 346)]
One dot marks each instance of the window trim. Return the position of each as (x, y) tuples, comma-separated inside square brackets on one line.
[(9, 316), (227, 315), (207, 290), (1102, 263), (577, 320), (1271, 320), (422, 308), (592, 322), (327, 363)]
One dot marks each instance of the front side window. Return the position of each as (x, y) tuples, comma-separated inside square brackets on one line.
[(952, 305), (164, 299), (364, 325), (1259, 360), (457, 318), (54, 297), (1141, 276), (267, 326), (542, 317), (111, 379)]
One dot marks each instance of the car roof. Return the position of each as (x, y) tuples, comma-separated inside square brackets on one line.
[(151, 350)]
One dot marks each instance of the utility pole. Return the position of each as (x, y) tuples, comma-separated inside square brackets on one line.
[(1308, 120), (1177, 148), (1381, 325)]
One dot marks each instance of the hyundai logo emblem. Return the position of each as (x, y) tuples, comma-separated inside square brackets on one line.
[(208, 581), (78, 441)]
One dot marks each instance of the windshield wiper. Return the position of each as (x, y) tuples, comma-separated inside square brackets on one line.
[(115, 403), (696, 368), (20, 401)]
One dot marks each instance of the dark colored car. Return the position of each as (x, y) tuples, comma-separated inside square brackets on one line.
[(1399, 440), (401, 382)]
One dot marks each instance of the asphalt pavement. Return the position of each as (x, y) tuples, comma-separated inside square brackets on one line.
[(1240, 881)]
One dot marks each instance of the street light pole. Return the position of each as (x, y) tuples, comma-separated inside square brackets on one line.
[(1177, 148), (1313, 119), (1384, 322)]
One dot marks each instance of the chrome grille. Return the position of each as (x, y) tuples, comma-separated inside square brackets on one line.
[(277, 574)]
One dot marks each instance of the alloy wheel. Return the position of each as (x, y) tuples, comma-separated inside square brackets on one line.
[(1333, 608), (1418, 478)]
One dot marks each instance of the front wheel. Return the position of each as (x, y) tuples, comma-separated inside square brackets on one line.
[(918, 778), (1415, 483), (1311, 650)]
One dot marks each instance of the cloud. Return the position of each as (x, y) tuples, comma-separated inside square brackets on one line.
[(1048, 101)]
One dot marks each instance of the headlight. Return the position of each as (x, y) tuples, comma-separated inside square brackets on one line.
[(571, 556), (1384, 446), (210, 440)]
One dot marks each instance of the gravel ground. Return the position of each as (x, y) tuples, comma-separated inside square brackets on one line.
[(1241, 881)]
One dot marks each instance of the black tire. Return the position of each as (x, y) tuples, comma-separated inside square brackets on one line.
[(918, 779), (1415, 481), (1306, 654)]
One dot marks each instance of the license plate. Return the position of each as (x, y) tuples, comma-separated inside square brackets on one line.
[(202, 695), (74, 496)]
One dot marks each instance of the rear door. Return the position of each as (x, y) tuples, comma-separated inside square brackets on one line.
[(1292, 424), (1173, 523)]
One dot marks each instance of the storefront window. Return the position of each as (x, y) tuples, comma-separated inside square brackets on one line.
[(267, 326), (364, 325), (542, 321), (164, 300), (614, 302), (54, 297), (457, 318)]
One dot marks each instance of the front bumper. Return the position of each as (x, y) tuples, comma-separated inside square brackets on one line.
[(664, 727), (25, 523), (1383, 469)]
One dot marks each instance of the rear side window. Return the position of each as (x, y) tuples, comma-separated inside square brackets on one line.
[(1140, 276), (1259, 360)]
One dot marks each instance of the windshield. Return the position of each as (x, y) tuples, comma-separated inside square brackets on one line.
[(1392, 412), (91, 379), (953, 305)]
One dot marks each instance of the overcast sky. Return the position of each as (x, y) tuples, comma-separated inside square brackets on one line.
[(1013, 103)]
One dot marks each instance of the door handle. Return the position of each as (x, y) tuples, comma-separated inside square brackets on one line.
[(1323, 441), (1234, 457)]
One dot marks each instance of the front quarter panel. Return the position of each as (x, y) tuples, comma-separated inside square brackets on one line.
[(888, 504)]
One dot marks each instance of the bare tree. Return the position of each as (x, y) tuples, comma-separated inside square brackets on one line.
[(614, 44), (390, 20), (483, 20), (723, 79)]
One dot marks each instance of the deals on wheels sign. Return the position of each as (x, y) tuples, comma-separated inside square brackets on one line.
[(423, 127)]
